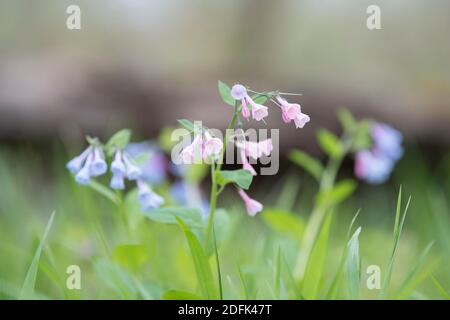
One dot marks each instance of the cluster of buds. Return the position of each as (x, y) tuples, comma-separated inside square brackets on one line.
[(92, 163), (375, 165)]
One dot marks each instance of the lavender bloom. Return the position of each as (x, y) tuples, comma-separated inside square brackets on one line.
[(117, 181), (148, 199), (118, 166), (132, 170), (372, 168), (84, 175), (98, 165), (76, 163), (387, 141), (154, 170)]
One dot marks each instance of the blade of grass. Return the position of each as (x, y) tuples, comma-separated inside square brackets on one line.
[(444, 294), (398, 227), (27, 291), (353, 266), (278, 275), (245, 293), (219, 274)]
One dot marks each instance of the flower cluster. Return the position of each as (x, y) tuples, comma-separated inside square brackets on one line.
[(92, 163), (204, 147), (289, 111), (374, 165)]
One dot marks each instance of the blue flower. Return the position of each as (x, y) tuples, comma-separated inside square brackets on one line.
[(149, 200), (122, 167), (117, 181), (372, 167), (90, 163), (154, 169), (387, 141)]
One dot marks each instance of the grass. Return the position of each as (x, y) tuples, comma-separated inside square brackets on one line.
[(163, 257)]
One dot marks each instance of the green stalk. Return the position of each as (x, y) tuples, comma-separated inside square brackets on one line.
[(214, 170), (319, 211)]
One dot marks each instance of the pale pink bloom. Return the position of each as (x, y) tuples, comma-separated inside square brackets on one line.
[(245, 111), (252, 206), (193, 152), (292, 111), (259, 112), (212, 147), (245, 164), (265, 146), (256, 149), (239, 92)]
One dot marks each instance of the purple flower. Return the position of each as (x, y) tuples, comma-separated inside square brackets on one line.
[(372, 167), (149, 200), (117, 181), (154, 169), (90, 163), (387, 141), (123, 167)]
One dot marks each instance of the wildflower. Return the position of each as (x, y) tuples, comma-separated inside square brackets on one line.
[(252, 206), (292, 111), (90, 163), (123, 167), (212, 147), (387, 141), (117, 181), (154, 169), (193, 152), (148, 199), (256, 149), (245, 164), (259, 112), (372, 167)]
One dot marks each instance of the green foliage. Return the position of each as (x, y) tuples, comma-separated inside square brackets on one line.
[(130, 256), (330, 144), (190, 216), (243, 178), (341, 191), (353, 265), (119, 140), (311, 165), (225, 93), (284, 222)]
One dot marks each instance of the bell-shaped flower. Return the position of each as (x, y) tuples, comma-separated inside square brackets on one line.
[(76, 163), (371, 167), (245, 164), (259, 112), (149, 200), (98, 165), (133, 172), (239, 92), (117, 181), (118, 165), (292, 111), (245, 110), (256, 150), (84, 175), (252, 206), (193, 153), (387, 141), (212, 146)]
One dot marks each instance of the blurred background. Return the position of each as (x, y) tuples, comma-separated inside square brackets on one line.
[(144, 64)]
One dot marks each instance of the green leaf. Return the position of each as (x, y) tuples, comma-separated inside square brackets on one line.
[(225, 93), (119, 140), (361, 138), (180, 295), (116, 278), (330, 144), (27, 291), (195, 173), (243, 178), (130, 256), (104, 191), (202, 268), (311, 165), (187, 124), (190, 216), (284, 222), (314, 268), (341, 191), (346, 119), (353, 265), (259, 98), (444, 294)]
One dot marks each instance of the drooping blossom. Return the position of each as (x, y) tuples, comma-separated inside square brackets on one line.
[(212, 146), (123, 167), (292, 112), (258, 111), (372, 167), (147, 197), (252, 206), (246, 164), (154, 169), (193, 153), (256, 150), (204, 148), (90, 163), (387, 141)]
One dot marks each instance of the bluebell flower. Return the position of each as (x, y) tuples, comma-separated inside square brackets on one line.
[(387, 141), (117, 181), (373, 168), (90, 163), (133, 171), (149, 200)]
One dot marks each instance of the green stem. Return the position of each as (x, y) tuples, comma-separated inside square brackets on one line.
[(214, 170), (319, 211)]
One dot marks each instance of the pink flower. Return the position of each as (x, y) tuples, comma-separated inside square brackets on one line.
[(245, 164), (252, 206), (256, 149), (193, 152), (292, 111), (259, 112), (245, 111), (212, 147), (239, 92)]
